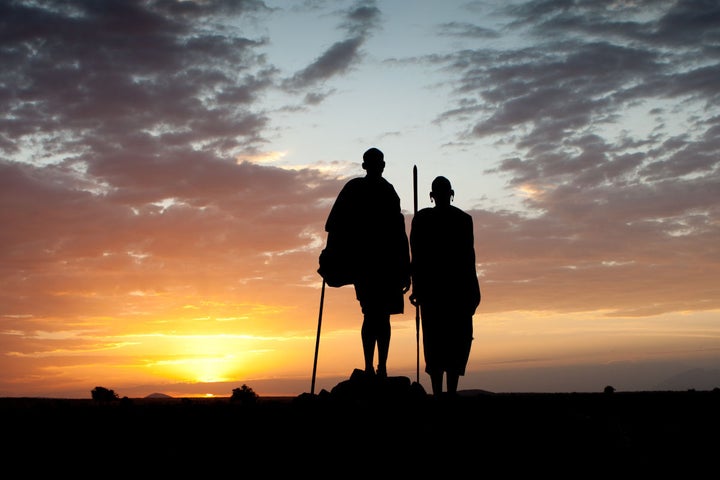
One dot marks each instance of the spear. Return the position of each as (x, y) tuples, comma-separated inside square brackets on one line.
[(417, 308)]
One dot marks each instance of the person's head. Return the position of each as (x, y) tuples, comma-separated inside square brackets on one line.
[(373, 162), (442, 191)]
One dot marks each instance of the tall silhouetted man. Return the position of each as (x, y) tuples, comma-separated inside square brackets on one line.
[(445, 285), (367, 217)]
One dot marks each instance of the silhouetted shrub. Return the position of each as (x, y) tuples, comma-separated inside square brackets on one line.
[(102, 394), (609, 389), (244, 395)]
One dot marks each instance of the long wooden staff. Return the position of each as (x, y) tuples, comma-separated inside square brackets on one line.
[(317, 340), (417, 308)]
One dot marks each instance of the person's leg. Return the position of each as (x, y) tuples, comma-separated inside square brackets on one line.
[(436, 380), (383, 343), (369, 336), (452, 383)]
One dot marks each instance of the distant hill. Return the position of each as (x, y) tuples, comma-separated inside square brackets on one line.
[(473, 392), (158, 395), (694, 379)]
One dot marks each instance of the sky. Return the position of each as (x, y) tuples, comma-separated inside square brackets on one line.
[(167, 167)]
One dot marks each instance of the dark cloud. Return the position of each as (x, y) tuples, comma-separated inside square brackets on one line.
[(105, 70), (547, 94), (463, 29), (336, 60), (692, 22), (123, 120), (552, 89), (605, 202), (194, 9), (315, 98), (362, 19), (359, 22)]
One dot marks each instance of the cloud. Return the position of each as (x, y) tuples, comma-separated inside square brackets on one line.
[(639, 204), (119, 155), (90, 77), (339, 58), (464, 29), (130, 119)]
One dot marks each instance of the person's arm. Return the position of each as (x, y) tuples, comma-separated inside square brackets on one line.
[(415, 263), (474, 283)]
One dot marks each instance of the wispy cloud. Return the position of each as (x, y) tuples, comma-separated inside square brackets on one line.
[(646, 196)]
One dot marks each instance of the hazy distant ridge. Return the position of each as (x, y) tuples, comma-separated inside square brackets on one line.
[(696, 378)]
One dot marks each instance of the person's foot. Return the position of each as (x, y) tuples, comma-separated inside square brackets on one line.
[(369, 372), (381, 371)]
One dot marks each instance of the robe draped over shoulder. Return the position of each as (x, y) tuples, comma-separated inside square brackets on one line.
[(367, 221)]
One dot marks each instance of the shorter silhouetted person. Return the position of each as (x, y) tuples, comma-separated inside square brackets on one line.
[(366, 221), (445, 285)]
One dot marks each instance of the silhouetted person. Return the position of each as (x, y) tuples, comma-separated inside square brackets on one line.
[(445, 285), (367, 216)]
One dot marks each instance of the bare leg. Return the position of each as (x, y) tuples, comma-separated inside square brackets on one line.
[(383, 343), (367, 332), (436, 379), (452, 383)]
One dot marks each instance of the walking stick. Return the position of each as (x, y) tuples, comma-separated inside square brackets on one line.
[(417, 308), (317, 340)]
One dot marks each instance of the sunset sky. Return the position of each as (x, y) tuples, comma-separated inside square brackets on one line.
[(167, 167)]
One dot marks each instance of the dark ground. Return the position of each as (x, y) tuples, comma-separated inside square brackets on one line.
[(353, 433)]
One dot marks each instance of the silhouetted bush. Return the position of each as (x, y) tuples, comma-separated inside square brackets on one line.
[(102, 394), (609, 389), (244, 395)]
